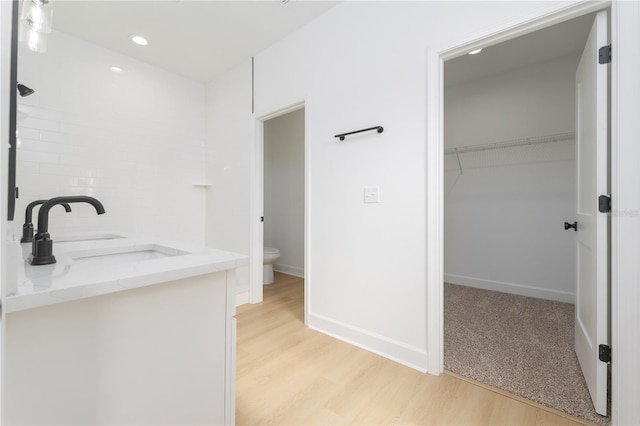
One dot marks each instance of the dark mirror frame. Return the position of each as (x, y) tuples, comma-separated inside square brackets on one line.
[(13, 81)]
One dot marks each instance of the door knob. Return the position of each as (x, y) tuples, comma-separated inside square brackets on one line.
[(573, 225)]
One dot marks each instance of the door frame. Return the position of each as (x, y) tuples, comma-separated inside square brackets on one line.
[(6, 9), (624, 343), (256, 232)]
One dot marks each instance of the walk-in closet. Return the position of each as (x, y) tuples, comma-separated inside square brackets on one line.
[(509, 210)]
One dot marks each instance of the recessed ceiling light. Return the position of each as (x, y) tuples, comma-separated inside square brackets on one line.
[(115, 69), (139, 40), (473, 52)]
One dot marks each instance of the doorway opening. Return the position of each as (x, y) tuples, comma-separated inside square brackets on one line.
[(283, 199), (279, 239), (509, 184)]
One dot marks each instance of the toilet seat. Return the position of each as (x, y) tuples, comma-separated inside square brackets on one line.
[(271, 250)]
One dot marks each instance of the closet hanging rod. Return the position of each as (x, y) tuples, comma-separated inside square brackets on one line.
[(558, 137), (379, 129)]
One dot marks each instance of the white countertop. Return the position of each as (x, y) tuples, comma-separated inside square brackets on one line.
[(82, 271)]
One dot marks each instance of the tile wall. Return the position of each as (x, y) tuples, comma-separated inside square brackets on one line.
[(134, 139)]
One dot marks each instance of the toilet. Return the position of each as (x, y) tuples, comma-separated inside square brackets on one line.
[(269, 258)]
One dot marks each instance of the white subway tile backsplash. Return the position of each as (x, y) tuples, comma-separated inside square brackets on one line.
[(66, 170), (26, 133), (47, 136), (41, 157), (38, 146), (77, 129), (135, 141), (35, 189), (36, 111), (69, 181), (29, 168), (30, 122)]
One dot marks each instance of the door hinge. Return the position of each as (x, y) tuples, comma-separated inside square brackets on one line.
[(604, 204), (261, 218), (604, 353), (604, 54)]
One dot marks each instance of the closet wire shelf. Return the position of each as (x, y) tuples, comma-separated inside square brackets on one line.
[(524, 142), (559, 137)]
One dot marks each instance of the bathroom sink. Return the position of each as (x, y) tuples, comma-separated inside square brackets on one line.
[(87, 237), (111, 256)]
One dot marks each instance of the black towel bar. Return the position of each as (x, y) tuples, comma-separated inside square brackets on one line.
[(380, 129)]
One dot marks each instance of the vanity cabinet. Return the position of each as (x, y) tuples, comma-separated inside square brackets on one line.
[(158, 354)]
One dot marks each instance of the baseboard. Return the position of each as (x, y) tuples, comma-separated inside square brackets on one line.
[(521, 290), (242, 297), (289, 270), (399, 352)]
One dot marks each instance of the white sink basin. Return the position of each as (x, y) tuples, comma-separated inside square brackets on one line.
[(86, 237), (111, 256)]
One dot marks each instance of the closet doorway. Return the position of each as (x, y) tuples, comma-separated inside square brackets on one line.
[(509, 186)]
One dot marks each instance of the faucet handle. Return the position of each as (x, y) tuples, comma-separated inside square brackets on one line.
[(42, 250)]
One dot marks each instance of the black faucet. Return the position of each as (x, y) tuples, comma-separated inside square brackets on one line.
[(42, 248), (27, 228)]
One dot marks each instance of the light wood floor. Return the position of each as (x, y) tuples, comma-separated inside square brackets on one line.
[(288, 374)]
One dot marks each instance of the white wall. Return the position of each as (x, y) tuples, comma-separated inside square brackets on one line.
[(532, 101), (504, 214), (284, 190), (363, 64), (134, 140), (228, 116)]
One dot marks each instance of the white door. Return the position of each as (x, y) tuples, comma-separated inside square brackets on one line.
[(592, 278)]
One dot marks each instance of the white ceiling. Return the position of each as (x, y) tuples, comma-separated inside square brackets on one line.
[(196, 39), (200, 39), (557, 41)]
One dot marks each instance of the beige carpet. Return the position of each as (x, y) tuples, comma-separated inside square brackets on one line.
[(519, 344)]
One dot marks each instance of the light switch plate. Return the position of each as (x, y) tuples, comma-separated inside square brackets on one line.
[(371, 194)]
